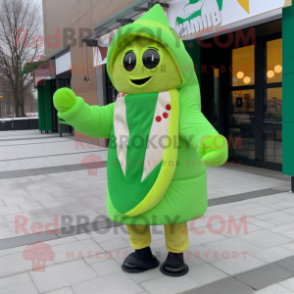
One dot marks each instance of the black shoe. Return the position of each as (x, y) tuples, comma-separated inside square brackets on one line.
[(140, 261), (174, 265)]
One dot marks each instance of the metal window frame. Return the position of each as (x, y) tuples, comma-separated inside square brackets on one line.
[(259, 87)]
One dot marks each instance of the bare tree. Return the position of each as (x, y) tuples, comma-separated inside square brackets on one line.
[(7, 100), (20, 42), (31, 101)]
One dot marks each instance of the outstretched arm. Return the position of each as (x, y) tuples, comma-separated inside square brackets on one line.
[(198, 131), (94, 121)]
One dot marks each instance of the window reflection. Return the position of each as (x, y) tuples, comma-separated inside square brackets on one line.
[(242, 143), (274, 71), (273, 146), (273, 106), (243, 66), (242, 107)]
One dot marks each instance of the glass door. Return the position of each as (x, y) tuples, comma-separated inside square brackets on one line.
[(254, 123), (272, 104), (242, 110)]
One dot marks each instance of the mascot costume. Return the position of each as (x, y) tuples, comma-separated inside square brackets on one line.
[(160, 142)]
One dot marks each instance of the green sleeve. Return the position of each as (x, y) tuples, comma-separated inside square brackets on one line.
[(94, 121), (193, 125)]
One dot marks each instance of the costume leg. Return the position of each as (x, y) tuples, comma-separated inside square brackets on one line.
[(140, 236), (177, 242), (142, 259), (176, 238)]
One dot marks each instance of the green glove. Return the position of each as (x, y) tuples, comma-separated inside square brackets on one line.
[(64, 99), (213, 150)]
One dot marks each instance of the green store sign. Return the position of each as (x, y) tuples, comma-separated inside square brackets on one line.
[(190, 17), (206, 17)]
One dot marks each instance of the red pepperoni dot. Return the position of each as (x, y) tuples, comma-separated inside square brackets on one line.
[(165, 115), (168, 107), (158, 118)]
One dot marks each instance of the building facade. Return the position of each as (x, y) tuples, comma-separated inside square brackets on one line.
[(241, 51)]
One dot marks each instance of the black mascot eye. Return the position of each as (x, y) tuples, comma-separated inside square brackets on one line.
[(130, 61), (150, 58)]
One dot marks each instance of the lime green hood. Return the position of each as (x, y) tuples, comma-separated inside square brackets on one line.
[(154, 24)]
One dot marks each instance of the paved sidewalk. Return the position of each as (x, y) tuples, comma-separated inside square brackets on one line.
[(245, 243)]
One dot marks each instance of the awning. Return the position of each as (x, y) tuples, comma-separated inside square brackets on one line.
[(42, 70), (38, 61), (31, 66)]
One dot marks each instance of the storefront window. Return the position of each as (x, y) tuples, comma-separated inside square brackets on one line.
[(255, 110), (273, 106), (243, 66), (273, 146), (242, 107), (272, 109), (242, 119), (216, 98), (242, 143), (274, 70)]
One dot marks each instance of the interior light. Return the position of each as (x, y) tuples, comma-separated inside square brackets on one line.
[(247, 80), (240, 75), (278, 68), (270, 74)]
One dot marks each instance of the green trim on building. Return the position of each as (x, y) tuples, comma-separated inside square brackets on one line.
[(41, 108), (48, 105), (45, 106), (288, 99)]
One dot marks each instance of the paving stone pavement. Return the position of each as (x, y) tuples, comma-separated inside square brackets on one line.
[(243, 245)]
